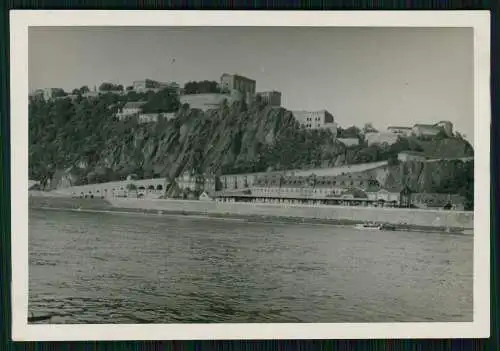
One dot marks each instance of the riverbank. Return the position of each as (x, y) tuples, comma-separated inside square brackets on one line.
[(233, 211)]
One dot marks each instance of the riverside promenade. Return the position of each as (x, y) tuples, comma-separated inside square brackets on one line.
[(334, 214), (412, 217)]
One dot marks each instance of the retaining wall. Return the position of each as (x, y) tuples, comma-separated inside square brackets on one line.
[(461, 219)]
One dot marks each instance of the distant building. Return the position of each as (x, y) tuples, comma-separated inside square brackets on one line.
[(91, 94), (190, 181), (169, 115), (130, 109), (271, 98), (277, 185), (431, 130), (155, 117), (373, 138), (394, 196), (244, 85), (403, 131), (316, 120), (349, 141), (205, 102), (447, 126), (426, 130), (148, 117), (46, 93), (439, 201), (407, 156), (146, 85)]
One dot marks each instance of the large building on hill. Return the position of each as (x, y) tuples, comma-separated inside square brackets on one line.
[(46, 93), (271, 98), (205, 102), (430, 130), (373, 138), (146, 85), (403, 131), (316, 120), (244, 85), (423, 130)]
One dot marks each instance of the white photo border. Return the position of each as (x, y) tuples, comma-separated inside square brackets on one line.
[(21, 20)]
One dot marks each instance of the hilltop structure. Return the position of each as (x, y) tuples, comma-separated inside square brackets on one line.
[(423, 130), (271, 98), (316, 120)]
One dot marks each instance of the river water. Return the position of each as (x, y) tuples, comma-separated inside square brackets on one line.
[(115, 268)]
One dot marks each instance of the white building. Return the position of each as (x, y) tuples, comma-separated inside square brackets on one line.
[(381, 138), (148, 117), (316, 120), (403, 131), (407, 156), (130, 109)]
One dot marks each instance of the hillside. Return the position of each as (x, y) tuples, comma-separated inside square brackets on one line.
[(448, 177), (83, 135), (83, 139)]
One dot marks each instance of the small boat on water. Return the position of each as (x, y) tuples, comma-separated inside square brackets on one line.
[(387, 226), (32, 318), (375, 226), (368, 226)]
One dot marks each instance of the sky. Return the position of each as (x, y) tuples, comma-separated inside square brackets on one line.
[(386, 76)]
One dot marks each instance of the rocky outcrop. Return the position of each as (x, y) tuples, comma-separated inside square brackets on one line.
[(80, 141)]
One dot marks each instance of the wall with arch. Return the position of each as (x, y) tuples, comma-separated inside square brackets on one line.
[(144, 187)]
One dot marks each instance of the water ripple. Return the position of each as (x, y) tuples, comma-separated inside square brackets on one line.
[(95, 268)]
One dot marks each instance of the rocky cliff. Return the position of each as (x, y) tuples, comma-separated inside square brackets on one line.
[(81, 141)]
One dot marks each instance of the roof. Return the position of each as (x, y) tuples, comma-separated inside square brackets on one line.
[(429, 126), (308, 181), (237, 75), (395, 127), (357, 193), (411, 152), (269, 92), (372, 189), (134, 104)]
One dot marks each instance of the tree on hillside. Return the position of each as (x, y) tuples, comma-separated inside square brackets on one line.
[(152, 84), (84, 89), (165, 100), (368, 128), (105, 87), (202, 87), (58, 92), (351, 132), (441, 135)]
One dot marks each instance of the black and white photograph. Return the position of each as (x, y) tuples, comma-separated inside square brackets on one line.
[(240, 174)]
